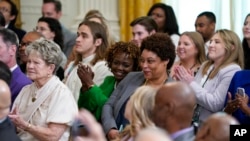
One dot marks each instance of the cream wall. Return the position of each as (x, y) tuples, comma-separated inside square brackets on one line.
[(73, 13)]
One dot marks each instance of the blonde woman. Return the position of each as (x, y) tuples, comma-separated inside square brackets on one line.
[(138, 111), (213, 79), (190, 51)]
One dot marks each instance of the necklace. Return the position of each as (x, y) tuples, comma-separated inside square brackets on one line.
[(146, 82), (191, 67), (33, 99), (34, 94)]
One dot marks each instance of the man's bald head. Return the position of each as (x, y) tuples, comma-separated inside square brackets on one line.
[(5, 99), (216, 128), (27, 39), (174, 104), (32, 36)]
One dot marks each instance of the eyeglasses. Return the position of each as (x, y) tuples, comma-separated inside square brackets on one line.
[(4, 9), (24, 44)]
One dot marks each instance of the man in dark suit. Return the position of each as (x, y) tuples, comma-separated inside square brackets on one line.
[(53, 9), (7, 129), (10, 12), (173, 111)]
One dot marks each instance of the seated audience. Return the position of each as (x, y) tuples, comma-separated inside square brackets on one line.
[(213, 78), (96, 16), (236, 104), (157, 57), (216, 128), (122, 58), (45, 109), (90, 53), (190, 51), (173, 111)]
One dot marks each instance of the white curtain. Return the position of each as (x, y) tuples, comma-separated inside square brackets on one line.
[(230, 14)]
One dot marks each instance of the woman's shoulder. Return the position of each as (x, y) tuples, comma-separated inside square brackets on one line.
[(229, 70), (109, 78), (231, 67), (135, 74), (133, 78)]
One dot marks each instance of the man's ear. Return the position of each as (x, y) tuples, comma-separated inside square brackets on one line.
[(98, 42), (170, 107), (59, 15), (12, 17)]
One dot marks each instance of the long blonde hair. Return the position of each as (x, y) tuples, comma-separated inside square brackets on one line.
[(234, 52), (142, 104)]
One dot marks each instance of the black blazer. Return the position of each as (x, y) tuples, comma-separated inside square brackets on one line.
[(19, 32), (8, 131)]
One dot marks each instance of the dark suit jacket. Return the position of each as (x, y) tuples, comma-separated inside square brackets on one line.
[(19, 32), (8, 131), (118, 97), (69, 39)]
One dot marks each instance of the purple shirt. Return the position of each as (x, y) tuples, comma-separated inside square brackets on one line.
[(18, 81)]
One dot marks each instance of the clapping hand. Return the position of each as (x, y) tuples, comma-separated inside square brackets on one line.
[(17, 120), (232, 105), (181, 74), (86, 76), (94, 128)]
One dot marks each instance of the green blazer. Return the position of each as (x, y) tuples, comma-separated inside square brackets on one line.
[(94, 99)]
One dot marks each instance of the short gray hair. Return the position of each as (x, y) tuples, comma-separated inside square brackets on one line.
[(50, 52)]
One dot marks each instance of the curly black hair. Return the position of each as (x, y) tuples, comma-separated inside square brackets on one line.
[(162, 45), (125, 47)]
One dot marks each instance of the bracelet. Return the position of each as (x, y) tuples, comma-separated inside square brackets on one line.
[(27, 127)]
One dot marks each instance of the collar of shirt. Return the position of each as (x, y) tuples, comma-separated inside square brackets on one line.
[(13, 68), (178, 133), (2, 120)]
